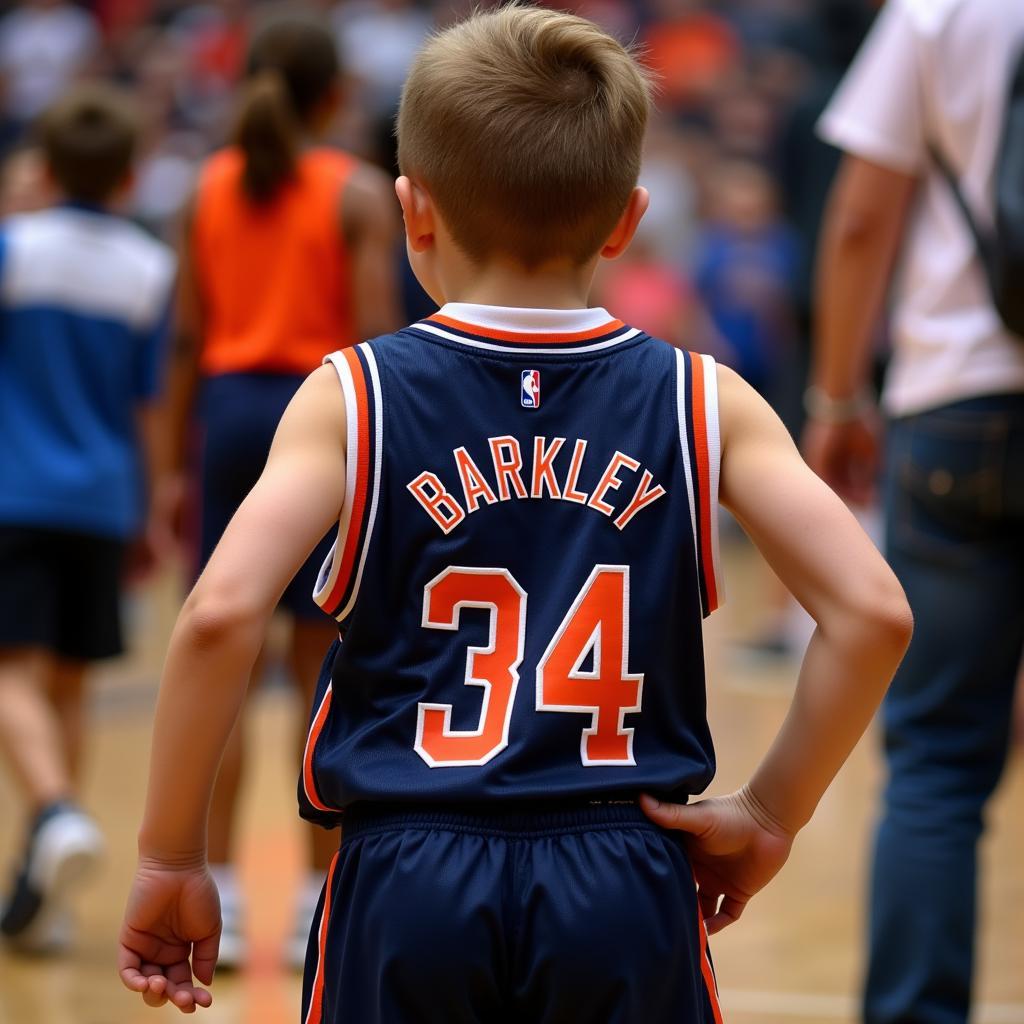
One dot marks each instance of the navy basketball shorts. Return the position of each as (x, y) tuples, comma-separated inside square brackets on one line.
[(584, 913), (239, 414)]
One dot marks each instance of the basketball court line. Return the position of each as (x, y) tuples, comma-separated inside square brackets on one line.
[(822, 1006)]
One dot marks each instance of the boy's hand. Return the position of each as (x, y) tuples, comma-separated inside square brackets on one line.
[(734, 848), (172, 918)]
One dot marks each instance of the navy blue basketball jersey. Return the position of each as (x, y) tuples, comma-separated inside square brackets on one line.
[(526, 552)]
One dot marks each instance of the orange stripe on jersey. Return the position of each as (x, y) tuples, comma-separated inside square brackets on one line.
[(705, 968), (308, 781), (528, 337), (700, 447), (348, 556), (316, 1001)]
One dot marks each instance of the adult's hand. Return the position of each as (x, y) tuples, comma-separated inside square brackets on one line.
[(846, 455)]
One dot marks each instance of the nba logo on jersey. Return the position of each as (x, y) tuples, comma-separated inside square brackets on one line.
[(531, 389)]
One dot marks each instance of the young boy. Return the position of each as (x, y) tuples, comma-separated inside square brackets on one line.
[(82, 323), (527, 492)]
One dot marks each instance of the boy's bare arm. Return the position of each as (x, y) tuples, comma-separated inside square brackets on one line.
[(822, 555), (819, 551), (222, 624), (171, 923)]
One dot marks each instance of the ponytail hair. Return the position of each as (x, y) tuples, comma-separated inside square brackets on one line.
[(292, 68), (268, 135)]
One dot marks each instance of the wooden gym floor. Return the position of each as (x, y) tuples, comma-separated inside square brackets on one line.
[(794, 957)]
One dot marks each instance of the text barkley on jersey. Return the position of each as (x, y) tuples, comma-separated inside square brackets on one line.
[(508, 478)]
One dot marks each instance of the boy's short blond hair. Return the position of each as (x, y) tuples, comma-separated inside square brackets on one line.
[(526, 126)]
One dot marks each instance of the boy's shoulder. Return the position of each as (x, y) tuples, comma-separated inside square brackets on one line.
[(40, 228), (402, 342), (156, 259), (90, 260)]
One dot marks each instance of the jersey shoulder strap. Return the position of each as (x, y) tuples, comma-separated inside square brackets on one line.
[(700, 441), (338, 584)]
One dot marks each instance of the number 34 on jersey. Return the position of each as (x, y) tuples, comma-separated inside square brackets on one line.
[(595, 626)]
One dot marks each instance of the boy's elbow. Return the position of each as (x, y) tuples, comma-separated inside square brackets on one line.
[(866, 613), (884, 618), (211, 620), (892, 622)]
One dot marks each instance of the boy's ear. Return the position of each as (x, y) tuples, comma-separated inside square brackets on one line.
[(618, 241), (417, 212)]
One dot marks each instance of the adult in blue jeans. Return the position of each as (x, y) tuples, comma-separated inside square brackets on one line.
[(932, 74)]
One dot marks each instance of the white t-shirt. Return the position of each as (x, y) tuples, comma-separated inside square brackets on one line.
[(937, 72)]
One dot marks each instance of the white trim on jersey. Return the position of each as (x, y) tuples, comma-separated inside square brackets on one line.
[(378, 432), (329, 571), (684, 444), (714, 465), (526, 320), (527, 346), (328, 575)]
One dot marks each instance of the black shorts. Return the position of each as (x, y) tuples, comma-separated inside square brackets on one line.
[(61, 591)]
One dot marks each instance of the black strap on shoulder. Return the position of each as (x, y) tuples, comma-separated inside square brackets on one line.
[(983, 242)]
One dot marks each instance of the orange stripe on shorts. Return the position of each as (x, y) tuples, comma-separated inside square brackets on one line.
[(316, 1002), (705, 968)]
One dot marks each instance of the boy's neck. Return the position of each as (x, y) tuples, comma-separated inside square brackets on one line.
[(504, 284)]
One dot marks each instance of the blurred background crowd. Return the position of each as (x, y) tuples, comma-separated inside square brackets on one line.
[(737, 177)]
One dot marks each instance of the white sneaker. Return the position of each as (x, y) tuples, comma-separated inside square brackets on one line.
[(64, 846)]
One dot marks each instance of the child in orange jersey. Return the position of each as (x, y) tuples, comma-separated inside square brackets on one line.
[(527, 492)]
